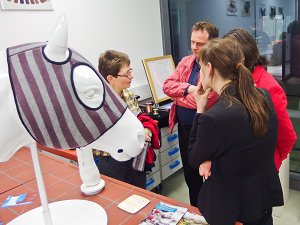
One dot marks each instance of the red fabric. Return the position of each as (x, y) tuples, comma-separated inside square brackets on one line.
[(175, 85), (286, 134), (151, 125)]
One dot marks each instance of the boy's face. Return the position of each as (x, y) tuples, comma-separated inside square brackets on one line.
[(120, 83)]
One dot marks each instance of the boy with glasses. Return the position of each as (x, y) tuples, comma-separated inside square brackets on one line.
[(114, 66)]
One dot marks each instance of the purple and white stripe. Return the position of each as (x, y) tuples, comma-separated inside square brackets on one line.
[(46, 102)]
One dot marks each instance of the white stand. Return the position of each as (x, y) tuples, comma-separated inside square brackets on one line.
[(284, 175), (75, 212), (89, 173)]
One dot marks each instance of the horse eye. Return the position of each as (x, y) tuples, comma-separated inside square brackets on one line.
[(88, 86), (120, 150), (90, 93)]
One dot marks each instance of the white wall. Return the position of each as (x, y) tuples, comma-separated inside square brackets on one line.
[(131, 26)]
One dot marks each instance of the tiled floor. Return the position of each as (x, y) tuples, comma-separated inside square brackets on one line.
[(175, 187)]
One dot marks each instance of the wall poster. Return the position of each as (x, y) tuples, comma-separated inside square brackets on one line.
[(280, 11), (26, 4), (272, 11), (262, 10), (245, 8), (231, 8)]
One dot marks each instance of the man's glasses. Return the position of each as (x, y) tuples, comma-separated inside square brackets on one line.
[(126, 75)]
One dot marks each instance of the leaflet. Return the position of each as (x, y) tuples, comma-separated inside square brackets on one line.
[(133, 204), (19, 200), (164, 214)]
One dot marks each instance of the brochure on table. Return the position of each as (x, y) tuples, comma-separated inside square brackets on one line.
[(191, 218), (165, 214), (21, 199)]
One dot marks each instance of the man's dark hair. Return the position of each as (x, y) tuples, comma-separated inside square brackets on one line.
[(212, 30)]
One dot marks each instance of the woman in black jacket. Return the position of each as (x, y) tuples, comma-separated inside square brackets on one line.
[(233, 142)]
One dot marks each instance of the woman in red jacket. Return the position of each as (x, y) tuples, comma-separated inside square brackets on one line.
[(255, 62)]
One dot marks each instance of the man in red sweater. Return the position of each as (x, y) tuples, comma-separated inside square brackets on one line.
[(179, 86)]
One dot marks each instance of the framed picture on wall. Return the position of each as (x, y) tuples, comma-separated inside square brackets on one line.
[(245, 8), (280, 11), (157, 70), (272, 11), (231, 9), (262, 10), (26, 4)]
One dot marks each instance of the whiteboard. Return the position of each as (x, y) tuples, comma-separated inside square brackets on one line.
[(157, 70)]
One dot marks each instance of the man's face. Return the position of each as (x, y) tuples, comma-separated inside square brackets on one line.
[(199, 38), (123, 79)]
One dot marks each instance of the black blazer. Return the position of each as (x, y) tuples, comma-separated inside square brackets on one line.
[(244, 181)]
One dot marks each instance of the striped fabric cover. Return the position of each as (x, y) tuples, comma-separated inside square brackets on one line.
[(46, 102)]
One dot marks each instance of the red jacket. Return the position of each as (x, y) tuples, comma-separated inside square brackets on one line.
[(155, 143), (175, 85), (286, 134)]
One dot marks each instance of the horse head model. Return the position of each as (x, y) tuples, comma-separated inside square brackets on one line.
[(52, 95)]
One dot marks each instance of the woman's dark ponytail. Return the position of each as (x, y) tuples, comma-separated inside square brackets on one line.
[(254, 101), (225, 55)]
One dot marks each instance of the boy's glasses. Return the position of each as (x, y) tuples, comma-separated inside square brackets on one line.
[(126, 75)]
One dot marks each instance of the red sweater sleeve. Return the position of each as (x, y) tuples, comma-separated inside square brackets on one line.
[(286, 134)]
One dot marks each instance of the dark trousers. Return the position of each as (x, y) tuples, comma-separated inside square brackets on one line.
[(192, 178), (139, 179), (122, 171), (264, 219)]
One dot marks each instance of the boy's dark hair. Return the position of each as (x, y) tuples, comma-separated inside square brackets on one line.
[(110, 62)]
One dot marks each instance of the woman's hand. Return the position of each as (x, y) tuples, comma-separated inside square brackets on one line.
[(147, 138), (191, 88), (201, 97), (204, 169)]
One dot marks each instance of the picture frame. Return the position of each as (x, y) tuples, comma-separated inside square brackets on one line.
[(231, 8), (157, 70), (45, 5), (262, 11), (272, 11), (280, 10), (246, 8)]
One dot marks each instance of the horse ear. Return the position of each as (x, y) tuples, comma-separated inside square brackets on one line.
[(57, 47)]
